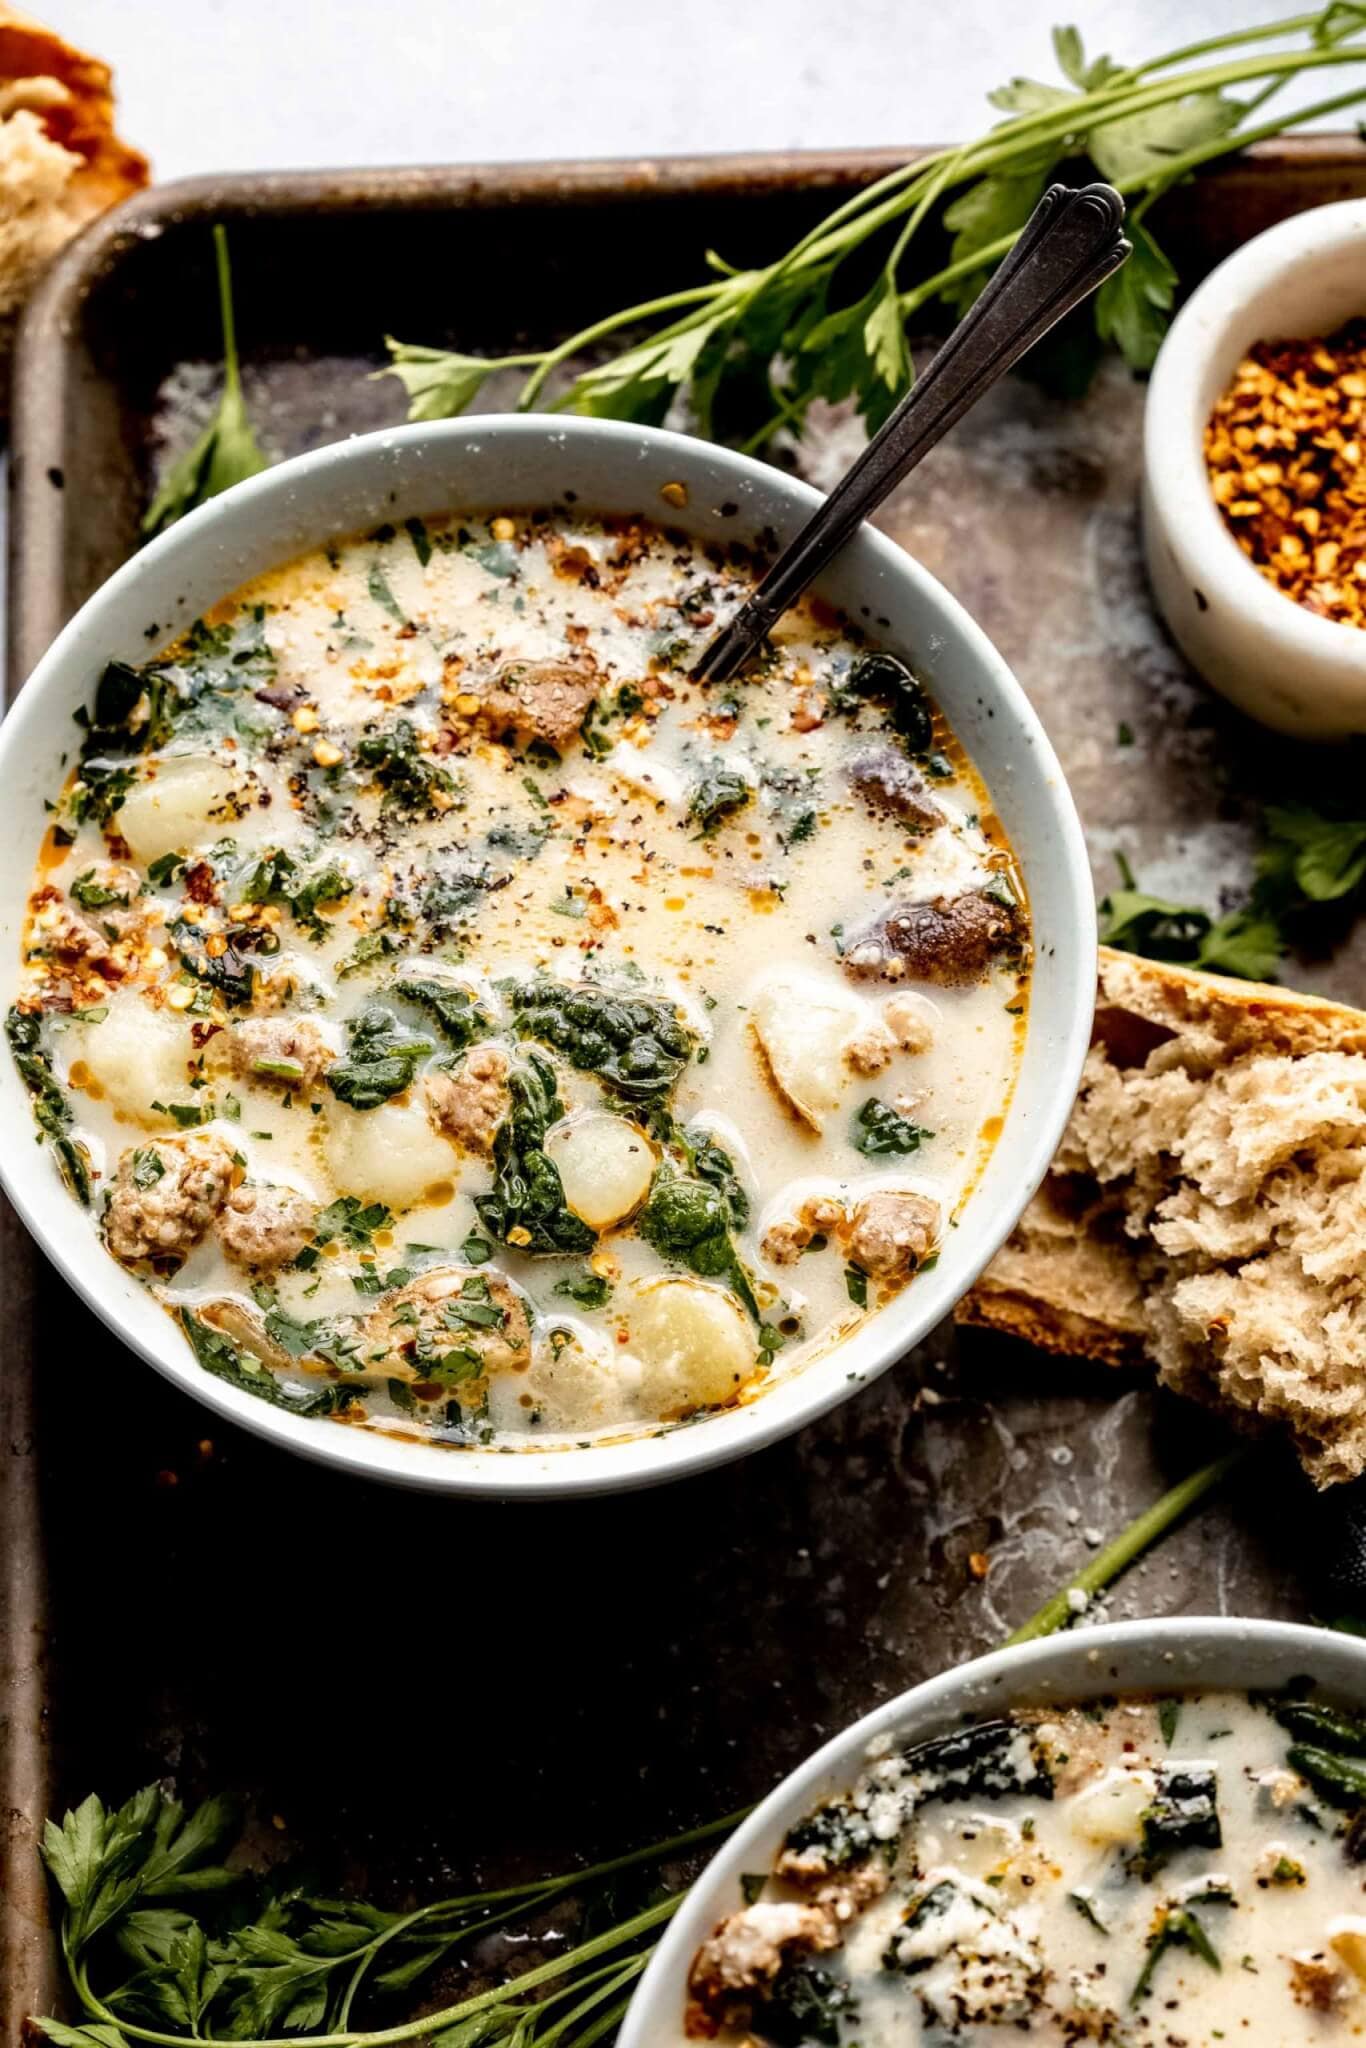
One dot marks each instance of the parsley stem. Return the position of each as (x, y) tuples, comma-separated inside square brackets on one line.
[(1141, 1534), (232, 380), (586, 336)]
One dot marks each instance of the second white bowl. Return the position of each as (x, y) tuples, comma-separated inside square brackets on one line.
[(1129, 1656)]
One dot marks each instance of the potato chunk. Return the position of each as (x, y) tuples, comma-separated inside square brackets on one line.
[(802, 1032), (390, 1154), (190, 801), (1111, 1809), (136, 1055), (606, 1164), (694, 1346)]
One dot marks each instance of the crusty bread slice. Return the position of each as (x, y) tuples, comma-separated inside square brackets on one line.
[(61, 161), (1207, 1206)]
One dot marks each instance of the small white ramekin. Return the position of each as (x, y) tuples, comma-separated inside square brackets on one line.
[(1186, 1654), (1293, 670)]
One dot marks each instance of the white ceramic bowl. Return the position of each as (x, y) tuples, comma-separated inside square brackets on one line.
[(1128, 1656), (492, 464), (1280, 663)]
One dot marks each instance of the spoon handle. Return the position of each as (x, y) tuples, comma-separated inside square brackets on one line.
[(1069, 245)]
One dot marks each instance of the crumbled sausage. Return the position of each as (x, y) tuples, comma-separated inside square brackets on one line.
[(1316, 1980), (65, 933), (786, 1240), (748, 1950), (540, 700), (907, 1019), (265, 1227), (808, 713), (283, 1052), (870, 1049), (894, 787), (892, 1233), (469, 1103), (448, 1309), (949, 940), (166, 1195)]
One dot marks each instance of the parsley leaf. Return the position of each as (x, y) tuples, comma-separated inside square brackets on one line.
[(227, 450)]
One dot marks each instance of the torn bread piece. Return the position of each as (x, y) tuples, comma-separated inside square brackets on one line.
[(1207, 1206), (61, 162)]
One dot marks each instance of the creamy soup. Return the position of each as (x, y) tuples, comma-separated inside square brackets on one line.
[(469, 1026), (1167, 1872)]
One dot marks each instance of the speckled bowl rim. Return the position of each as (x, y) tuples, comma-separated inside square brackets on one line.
[(359, 482), (1125, 1656)]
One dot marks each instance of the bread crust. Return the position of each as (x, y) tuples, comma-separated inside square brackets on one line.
[(1203, 1212)]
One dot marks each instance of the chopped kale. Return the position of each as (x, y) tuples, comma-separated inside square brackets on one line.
[(523, 842), (635, 1045), (986, 1761), (588, 1289), (526, 1207), (803, 2005), (1325, 1727), (382, 1057), (352, 1220), (456, 1012), (218, 1355), (717, 793), (1339, 1779), (51, 1110), (713, 1164), (93, 895), (837, 1834), (930, 1905), (411, 780), (380, 590), (688, 1222), (1184, 1813), (277, 878), (447, 897), (888, 682), (878, 1131)]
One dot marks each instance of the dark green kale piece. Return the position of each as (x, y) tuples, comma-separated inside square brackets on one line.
[(381, 1059), (634, 1044), (51, 1110), (986, 1761), (526, 1206), (458, 1014), (411, 780), (688, 1223)]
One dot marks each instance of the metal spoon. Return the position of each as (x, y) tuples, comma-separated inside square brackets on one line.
[(1069, 245)]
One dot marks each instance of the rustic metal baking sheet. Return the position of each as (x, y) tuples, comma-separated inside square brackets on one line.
[(409, 1690)]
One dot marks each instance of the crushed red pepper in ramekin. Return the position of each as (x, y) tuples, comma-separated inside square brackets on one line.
[(1286, 452)]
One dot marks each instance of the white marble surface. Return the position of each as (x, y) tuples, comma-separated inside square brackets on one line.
[(210, 85), (241, 84)]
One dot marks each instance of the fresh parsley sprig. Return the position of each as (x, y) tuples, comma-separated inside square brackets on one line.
[(133, 1879), (1311, 862), (227, 451), (798, 330)]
